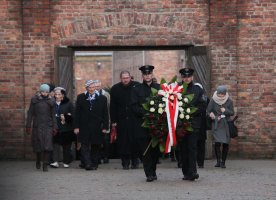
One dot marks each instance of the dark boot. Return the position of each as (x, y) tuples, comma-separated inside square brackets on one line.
[(45, 161), (218, 154), (225, 149), (38, 160)]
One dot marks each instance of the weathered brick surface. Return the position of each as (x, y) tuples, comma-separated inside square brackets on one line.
[(11, 80), (239, 34)]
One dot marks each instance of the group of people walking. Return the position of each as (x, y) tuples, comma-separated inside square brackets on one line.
[(54, 120)]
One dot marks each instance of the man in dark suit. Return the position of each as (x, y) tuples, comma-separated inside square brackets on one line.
[(91, 123), (138, 96), (188, 146), (122, 117)]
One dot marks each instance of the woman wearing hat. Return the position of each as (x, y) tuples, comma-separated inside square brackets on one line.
[(41, 117), (65, 134), (220, 109)]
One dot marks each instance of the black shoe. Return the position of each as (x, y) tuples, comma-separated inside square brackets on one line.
[(88, 167), (217, 165), (193, 177), (150, 179), (200, 166), (45, 167), (154, 177), (222, 165), (38, 165)]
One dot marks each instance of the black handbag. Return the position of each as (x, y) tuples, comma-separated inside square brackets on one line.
[(233, 129)]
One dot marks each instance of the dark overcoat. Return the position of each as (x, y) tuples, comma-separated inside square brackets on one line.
[(139, 95), (91, 119), (122, 114), (41, 117), (65, 131)]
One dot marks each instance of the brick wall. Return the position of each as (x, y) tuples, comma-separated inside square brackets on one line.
[(257, 77), (239, 34), (11, 80)]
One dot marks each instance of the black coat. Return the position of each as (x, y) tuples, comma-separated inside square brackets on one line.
[(91, 121), (198, 103), (122, 114), (65, 131), (139, 95)]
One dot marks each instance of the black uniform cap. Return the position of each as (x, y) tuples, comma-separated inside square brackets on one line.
[(146, 69), (186, 72)]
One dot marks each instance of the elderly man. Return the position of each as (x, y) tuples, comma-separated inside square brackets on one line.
[(91, 123)]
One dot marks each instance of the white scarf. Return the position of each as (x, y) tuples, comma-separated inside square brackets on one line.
[(220, 100)]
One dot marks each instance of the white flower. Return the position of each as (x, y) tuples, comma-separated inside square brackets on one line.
[(161, 105), (181, 116), (186, 100), (164, 99), (187, 117), (152, 109), (188, 110), (160, 110), (180, 103), (161, 92), (172, 97), (181, 109), (151, 102), (179, 96)]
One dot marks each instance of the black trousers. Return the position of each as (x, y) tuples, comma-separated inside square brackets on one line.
[(150, 158), (200, 152), (90, 154), (188, 150)]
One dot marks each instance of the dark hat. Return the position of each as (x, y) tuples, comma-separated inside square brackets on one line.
[(186, 72), (146, 69), (52, 86), (221, 89)]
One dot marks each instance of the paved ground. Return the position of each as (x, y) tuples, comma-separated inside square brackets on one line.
[(241, 180)]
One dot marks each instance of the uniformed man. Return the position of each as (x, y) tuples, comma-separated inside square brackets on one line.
[(122, 118), (139, 94), (188, 146)]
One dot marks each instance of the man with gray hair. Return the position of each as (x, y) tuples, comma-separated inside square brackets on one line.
[(91, 123)]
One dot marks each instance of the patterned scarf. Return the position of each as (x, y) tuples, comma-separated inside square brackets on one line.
[(220, 100), (91, 98)]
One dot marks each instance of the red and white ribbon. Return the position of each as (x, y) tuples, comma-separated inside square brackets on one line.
[(171, 92)]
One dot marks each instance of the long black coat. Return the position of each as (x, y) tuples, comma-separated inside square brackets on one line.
[(139, 95), (91, 122), (122, 114), (41, 117)]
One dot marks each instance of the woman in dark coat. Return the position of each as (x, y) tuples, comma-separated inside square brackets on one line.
[(91, 123), (65, 134), (41, 117), (220, 109)]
